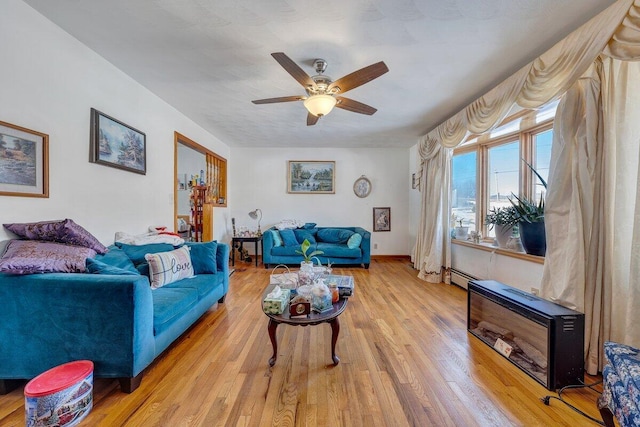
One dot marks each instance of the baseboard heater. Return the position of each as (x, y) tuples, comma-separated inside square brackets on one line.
[(461, 278), (544, 339)]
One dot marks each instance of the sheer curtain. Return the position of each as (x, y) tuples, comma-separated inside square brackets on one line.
[(432, 252)]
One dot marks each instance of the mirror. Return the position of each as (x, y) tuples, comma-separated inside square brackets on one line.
[(195, 165)]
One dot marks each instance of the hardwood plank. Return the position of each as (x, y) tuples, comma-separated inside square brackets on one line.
[(406, 359)]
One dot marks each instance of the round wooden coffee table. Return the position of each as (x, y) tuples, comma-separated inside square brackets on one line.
[(330, 317)]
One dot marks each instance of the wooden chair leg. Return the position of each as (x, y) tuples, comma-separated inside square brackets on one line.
[(129, 385), (605, 413)]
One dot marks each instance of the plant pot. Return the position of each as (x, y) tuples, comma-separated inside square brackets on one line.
[(306, 273), (503, 234), (533, 238), (462, 233)]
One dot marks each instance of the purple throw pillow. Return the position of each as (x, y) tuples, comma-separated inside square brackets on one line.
[(63, 231), (32, 256)]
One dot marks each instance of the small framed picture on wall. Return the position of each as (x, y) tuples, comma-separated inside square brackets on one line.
[(381, 219)]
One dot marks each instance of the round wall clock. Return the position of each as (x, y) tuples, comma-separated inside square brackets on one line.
[(362, 187)]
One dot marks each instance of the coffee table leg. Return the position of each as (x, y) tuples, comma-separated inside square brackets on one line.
[(335, 330), (272, 334)]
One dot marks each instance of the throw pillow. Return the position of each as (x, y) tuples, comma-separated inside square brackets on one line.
[(203, 257), (33, 256), (289, 237), (169, 267), (63, 231), (277, 240), (98, 267), (302, 234), (309, 225), (354, 241), (116, 257), (334, 235), (136, 253)]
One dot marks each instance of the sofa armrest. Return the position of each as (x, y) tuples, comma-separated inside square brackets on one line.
[(222, 263), (365, 245), (50, 319)]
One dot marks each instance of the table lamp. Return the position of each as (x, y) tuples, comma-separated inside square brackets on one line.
[(254, 215)]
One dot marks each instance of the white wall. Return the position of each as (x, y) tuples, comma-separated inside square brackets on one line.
[(258, 179), (516, 272), (49, 81)]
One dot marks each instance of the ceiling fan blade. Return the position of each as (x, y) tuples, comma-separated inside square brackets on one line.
[(355, 106), (281, 99), (311, 119), (360, 77), (292, 68)]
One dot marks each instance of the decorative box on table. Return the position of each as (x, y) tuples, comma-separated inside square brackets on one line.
[(344, 283), (276, 304)]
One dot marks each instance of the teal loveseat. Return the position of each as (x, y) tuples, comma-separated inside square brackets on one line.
[(336, 243), (115, 320)]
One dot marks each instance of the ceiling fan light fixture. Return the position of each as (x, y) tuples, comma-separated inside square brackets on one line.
[(320, 105)]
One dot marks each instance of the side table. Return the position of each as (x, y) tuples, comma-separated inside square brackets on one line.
[(240, 241)]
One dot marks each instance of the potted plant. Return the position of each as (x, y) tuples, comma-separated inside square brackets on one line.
[(502, 219), (462, 231), (306, 274), (531, 220)]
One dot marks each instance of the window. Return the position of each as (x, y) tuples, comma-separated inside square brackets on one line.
[(463, 189), (503, 175), (488, 169)]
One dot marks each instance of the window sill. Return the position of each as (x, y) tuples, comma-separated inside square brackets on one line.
[(483, 246)]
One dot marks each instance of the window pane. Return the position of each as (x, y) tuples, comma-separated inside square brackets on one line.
[(542, 145), (463, 188), (504, 177)]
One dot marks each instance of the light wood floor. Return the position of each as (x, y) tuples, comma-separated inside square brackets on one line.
[(406, 360)]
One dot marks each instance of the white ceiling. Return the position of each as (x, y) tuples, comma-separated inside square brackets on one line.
[(210, 58)]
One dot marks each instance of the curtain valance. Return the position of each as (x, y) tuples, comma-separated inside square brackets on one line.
[(614, 32)]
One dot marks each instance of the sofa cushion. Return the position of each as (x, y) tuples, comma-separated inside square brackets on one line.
[(277, 239), (33, 256), (203, 257), (169, 267), (203, 284), (302, 234), (290, 251), (116, 257), (338, 250), (334, 235), (59, 231), (98, 267), (354, 241), (289, 237), (309, 225), (170, 303)]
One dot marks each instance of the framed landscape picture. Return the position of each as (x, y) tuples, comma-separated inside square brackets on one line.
[(116, 144), (24, 162), (311, 177), (381, 219)]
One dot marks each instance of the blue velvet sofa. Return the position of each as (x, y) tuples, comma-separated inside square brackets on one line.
[(114, 319), (334, 242)]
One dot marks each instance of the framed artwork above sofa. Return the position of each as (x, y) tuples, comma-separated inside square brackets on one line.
[(311, 177)]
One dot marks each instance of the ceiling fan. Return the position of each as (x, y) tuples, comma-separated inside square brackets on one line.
[(322, 93)]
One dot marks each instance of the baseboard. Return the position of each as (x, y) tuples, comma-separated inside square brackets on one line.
[(391, 257)]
